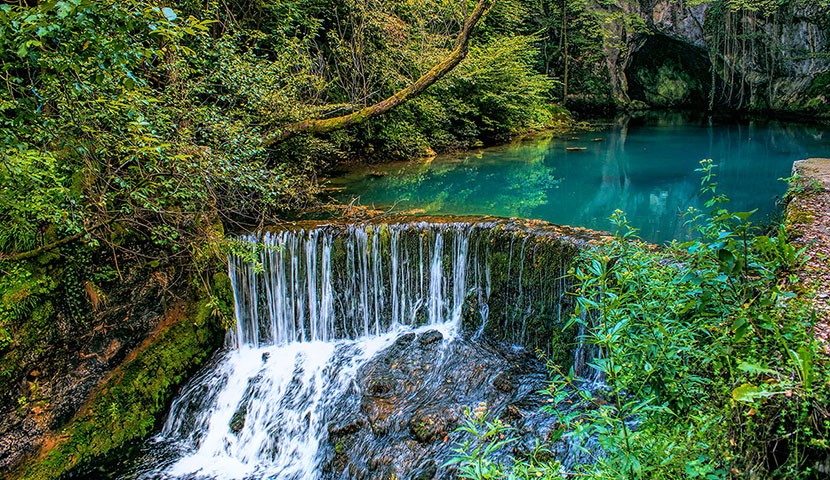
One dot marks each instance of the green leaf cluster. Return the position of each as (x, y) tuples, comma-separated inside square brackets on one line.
[(482, 454), (708, 360)]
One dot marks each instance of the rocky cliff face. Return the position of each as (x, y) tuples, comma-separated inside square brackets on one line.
[(48, 377), (105, 379), (709, 55)]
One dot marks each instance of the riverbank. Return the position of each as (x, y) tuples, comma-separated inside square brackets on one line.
[(808, 222)]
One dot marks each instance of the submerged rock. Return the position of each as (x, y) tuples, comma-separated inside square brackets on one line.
[(431, 336), (426, 471), (411, 398), (504, 382), (432, 423)]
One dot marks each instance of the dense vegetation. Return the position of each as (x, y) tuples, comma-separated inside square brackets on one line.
[(708, 359), (131, 141), (132, 133)]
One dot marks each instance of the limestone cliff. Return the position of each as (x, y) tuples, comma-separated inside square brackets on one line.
[(693, 54)]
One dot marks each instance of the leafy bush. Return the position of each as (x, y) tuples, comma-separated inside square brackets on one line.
[(487, 437), (709, 363)]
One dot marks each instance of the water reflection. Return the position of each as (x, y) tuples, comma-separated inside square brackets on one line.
[(643, 165)]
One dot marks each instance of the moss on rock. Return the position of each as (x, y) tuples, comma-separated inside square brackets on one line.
[(131, 401)]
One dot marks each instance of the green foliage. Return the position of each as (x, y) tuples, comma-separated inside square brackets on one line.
[(134, 127), (151, 118), (500, 85), (799, 186), (571, 38), (488, 437), (33, 189), (494, 94), (24, 303), (710, 365), (104, 120), (43, 303), (220, 302), (707, 363)]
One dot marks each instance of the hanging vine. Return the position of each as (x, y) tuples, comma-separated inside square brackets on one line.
[(747, 49)]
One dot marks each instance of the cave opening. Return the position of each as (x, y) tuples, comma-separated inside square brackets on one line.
[(667, 73)]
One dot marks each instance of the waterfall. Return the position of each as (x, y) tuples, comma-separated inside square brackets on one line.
[(317, 304), (304, 289)]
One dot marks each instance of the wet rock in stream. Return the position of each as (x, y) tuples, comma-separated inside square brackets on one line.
[(401, 419)]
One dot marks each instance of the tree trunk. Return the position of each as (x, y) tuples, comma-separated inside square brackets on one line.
[(565, 50), (433, 75)]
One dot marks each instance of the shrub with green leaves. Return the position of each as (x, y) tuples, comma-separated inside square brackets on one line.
[(708, 359), (488, 437)]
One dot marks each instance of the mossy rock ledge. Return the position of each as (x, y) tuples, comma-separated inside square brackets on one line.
[(131, 402), (527, 261)]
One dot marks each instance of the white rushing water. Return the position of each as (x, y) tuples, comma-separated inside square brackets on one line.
[(302, 295), (283, 392), (303, 329), (318, 307)]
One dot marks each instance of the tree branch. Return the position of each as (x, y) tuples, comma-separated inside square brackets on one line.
[(455, 57), (51, 246)]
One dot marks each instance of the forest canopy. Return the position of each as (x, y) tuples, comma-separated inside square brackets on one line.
[(159, 118)]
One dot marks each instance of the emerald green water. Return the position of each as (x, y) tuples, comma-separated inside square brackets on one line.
[(643, 166)]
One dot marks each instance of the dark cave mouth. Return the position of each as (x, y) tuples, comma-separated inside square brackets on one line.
[(667, 73)]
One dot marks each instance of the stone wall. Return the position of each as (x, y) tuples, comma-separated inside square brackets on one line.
[(808, 225)]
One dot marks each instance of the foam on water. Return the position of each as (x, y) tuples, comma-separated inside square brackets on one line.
[(308, 317)]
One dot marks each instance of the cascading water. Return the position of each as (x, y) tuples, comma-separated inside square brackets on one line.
[(261, 412), (316, 308), (375, 283)]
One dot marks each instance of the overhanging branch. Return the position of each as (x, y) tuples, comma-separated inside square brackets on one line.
[(455, 57)]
